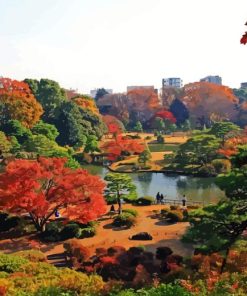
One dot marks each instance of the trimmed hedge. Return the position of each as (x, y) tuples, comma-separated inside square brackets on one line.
[(124, 219)]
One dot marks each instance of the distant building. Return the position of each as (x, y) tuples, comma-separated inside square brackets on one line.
[(93, 92), (71, 93), (172, 82), (243, 85), (213, 79), (129, 88)]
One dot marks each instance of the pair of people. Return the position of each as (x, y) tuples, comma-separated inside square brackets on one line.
[(159, 198)]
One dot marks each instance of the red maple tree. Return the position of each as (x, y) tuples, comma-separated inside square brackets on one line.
[(165, 114), (114, 125), (42, 187), (121, 144)]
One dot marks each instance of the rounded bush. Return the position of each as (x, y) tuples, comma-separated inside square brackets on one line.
[(174, 207), (207, 170), (145, 201), (124, 219), (163, 252), (221, 166), (11, 263), (32, 255), (133, 212), (174, 216)]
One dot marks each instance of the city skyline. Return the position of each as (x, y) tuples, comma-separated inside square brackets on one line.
[(112, 44)]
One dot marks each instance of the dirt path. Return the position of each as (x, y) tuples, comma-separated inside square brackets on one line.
[(163, 235)]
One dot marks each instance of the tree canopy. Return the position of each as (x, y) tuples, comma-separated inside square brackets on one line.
[(41, 187), (119, 186)]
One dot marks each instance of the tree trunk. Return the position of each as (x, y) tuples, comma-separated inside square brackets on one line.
[(224, 260), (119, 204)]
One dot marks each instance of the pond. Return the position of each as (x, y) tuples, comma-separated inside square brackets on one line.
[(172, 186)]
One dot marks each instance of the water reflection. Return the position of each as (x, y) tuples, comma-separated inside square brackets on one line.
[(172, 186)]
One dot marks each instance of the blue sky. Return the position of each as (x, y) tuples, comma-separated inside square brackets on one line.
[(114, 43)]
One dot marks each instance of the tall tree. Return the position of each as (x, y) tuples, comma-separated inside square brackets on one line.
[(100, 93), (17, 102), (209, 102), (221, 129), (179, 111), (42, 187), (86, 102), (49, 94), (201, 149), (119, 186)]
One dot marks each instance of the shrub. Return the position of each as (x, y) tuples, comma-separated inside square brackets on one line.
[(133, 212), (75, 249), (116, 250), (145, 201), (221, 165), (160, 139), (148, 138), (53, 291), (193, 207), (69, 231), (163, 252), (142, 236), (174, 216), (11, 263), (32, 255), (7, 222), (124, 219), (207, 170), (174, 208), (164, 212)]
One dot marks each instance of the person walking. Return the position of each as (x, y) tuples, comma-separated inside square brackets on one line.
[(161, 198), (184, 200), (158, 198)]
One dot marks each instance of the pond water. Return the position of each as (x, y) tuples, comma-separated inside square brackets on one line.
[(172, 186)]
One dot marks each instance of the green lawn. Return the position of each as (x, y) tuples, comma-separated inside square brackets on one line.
[(163, 147)]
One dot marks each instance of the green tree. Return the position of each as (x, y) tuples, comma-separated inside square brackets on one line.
[(119, 186), (138, 127), (16, 129), (100, 93), (158, 124), (144, 157), (15, 146), (221, 129), (91, 144), (5, 144), (201, 149), (49, 94), (46, 129), (40, 144), (217, 227)]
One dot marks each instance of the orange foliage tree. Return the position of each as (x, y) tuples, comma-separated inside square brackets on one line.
[(209, 102), (120, 145), (231, 145), (114, 126), (86, 102), (144, 102), (17, 102), (42, 187)]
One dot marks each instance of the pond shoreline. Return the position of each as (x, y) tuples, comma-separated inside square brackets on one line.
[(168, 172)]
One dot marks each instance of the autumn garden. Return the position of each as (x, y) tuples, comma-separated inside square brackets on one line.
[(66, 231)]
